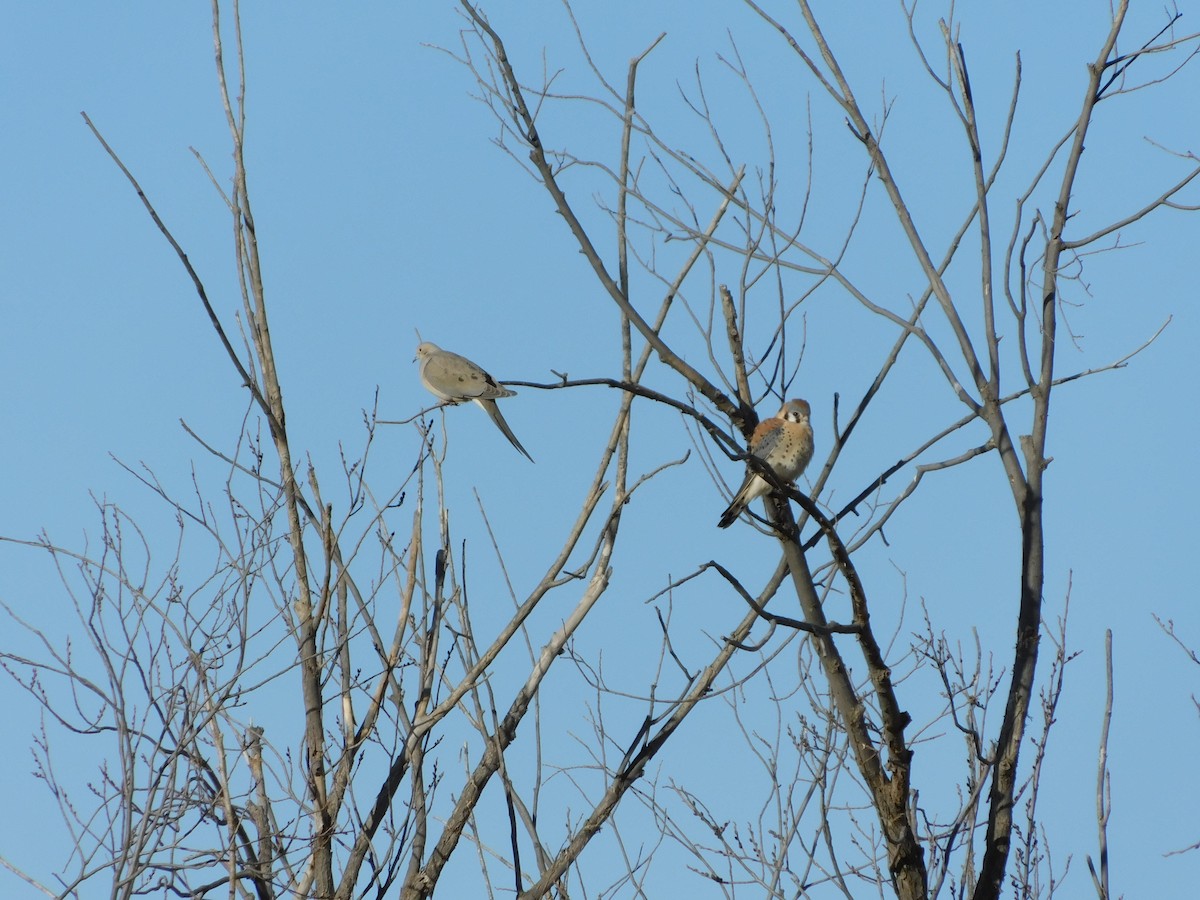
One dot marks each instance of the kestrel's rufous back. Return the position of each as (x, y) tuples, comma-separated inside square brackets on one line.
[(785, 443)]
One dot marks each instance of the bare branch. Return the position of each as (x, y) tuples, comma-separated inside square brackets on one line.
[(1103, 787)]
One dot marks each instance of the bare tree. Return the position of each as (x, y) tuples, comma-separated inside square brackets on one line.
[(353, 787)]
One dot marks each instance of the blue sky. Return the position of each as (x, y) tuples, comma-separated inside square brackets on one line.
[(383, 207)]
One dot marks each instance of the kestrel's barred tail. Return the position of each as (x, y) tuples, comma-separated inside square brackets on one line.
[(455, 379), (785, 443), (739, 503)]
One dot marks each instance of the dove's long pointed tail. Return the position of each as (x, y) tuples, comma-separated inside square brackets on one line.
[(493, 411)]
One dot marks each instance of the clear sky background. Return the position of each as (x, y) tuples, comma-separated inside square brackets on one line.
[(383, 207)]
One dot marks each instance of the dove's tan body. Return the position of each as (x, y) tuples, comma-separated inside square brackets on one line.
[(455, 379)]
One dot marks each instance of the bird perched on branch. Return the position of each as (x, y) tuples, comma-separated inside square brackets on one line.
[(785, 443), (455, 379)]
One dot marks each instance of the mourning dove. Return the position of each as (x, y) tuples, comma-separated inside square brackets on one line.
[(455, 379), (785, 443)]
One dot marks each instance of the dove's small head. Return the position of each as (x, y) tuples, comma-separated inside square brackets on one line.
[(426, 349)]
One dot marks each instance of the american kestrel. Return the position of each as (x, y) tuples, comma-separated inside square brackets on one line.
[(785, 443), (455, 379)]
